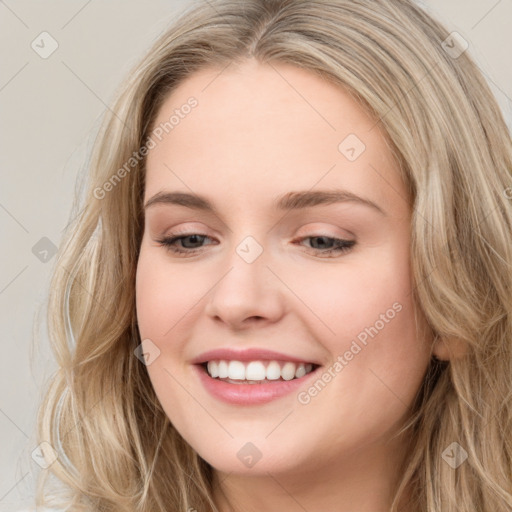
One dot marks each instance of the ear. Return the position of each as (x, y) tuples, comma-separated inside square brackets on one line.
[(446, 349)]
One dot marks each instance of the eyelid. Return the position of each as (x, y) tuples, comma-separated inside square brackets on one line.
[(188, 228), (312, 229), (319, 229)]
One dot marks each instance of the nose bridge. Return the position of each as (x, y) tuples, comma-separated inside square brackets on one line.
[(248, 275), (247, 288)]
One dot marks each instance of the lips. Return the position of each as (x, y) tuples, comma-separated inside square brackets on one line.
[(250, 393), (214, 371)]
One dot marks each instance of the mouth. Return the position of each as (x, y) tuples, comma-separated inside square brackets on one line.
[(257, 371)]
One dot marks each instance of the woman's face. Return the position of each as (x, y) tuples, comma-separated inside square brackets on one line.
[(286, 162)]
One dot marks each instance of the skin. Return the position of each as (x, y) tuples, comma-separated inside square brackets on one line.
[(259, 132)]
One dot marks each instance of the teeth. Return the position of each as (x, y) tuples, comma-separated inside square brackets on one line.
[(257, 371), (223, 369), (288, 371), (273, 370), (301, 371), (213, 368), (236, 370)]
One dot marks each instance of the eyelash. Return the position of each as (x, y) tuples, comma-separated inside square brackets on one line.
[(342, 246)]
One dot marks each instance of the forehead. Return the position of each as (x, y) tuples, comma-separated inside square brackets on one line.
[(259, 130)]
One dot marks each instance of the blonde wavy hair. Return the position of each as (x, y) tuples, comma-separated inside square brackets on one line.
[(117, 450)]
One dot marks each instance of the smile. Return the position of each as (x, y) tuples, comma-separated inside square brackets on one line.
[(245, 384), (256, 372)]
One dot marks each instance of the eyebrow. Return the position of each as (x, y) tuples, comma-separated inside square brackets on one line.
[(290, 201)]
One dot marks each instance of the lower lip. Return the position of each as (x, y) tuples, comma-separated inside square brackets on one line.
[(250, 394)]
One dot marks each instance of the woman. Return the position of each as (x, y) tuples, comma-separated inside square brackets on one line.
[(290, 280)]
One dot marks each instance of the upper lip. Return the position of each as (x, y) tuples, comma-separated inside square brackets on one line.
[(248, 354)]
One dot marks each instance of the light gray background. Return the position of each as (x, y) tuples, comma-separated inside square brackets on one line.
[(51, 110)]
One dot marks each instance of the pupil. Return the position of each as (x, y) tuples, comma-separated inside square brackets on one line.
[(322, 239), (197, 238)]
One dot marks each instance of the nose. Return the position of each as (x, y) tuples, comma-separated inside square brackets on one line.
[(247, 294)]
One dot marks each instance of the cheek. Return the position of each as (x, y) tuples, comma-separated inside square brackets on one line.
[(352, 295), (164, 301), (165, 293), (367, 312), (385, 359)]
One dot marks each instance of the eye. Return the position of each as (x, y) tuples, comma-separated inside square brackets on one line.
[(194, 238), (325, 244), (335, 245)]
